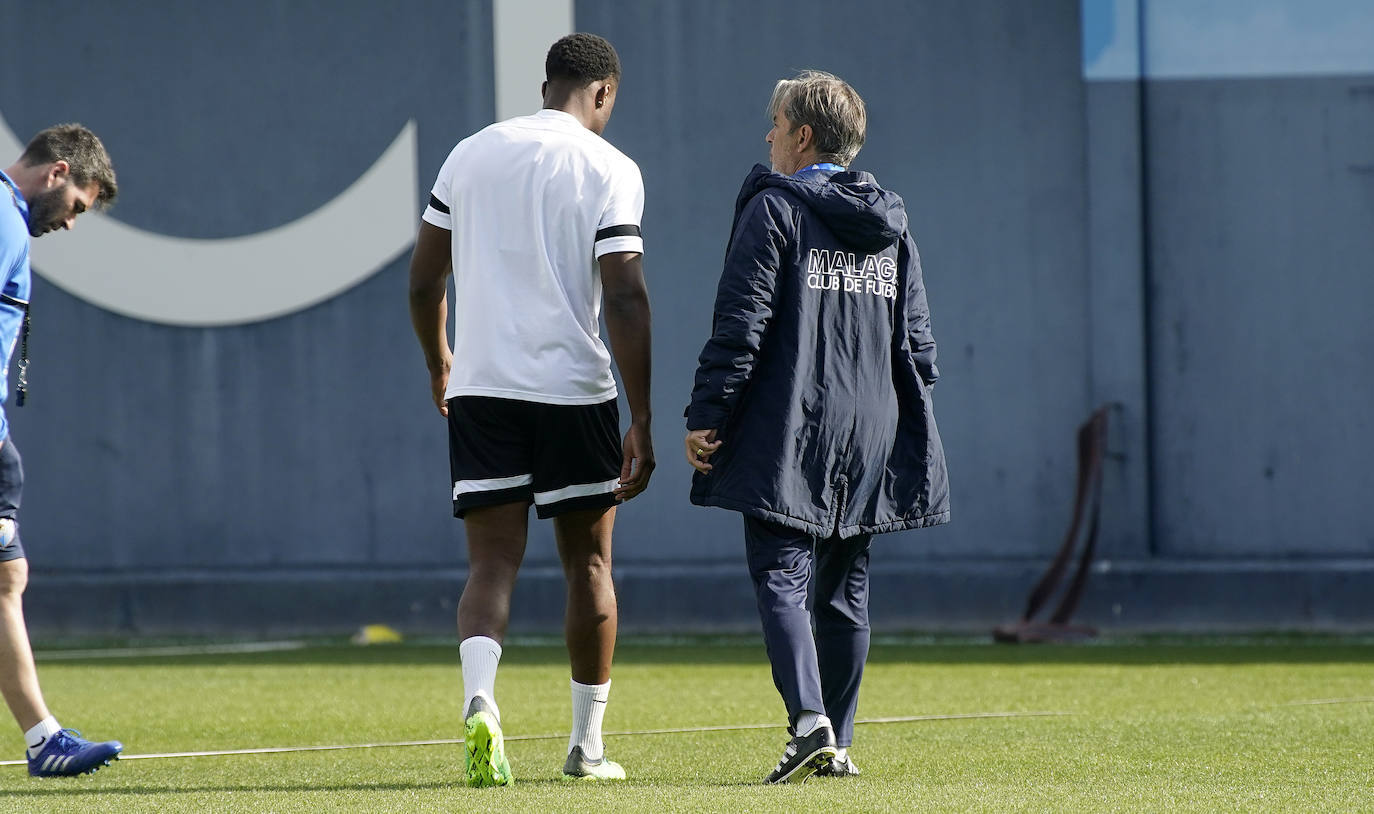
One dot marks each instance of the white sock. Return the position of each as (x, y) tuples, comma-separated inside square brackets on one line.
[(480, 656), (841, 753), (44, 729), (589, 708), (808, 720)]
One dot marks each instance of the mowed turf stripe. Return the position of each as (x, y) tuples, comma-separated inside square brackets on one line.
[(171, 650), (1357, 700), (269, 750)]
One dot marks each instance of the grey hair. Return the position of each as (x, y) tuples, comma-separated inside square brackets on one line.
[(830, 106)]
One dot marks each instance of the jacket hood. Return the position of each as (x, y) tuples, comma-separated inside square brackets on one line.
[(851, 204)]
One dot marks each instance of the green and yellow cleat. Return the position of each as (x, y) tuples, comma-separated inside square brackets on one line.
[(484, 747)]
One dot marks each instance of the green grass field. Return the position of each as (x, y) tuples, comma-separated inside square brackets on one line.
[(1177, 725)]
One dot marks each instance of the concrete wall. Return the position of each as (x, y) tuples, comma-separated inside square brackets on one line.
[(1262, 234), (1085, 241)]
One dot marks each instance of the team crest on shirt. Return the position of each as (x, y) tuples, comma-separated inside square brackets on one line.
[(834, 270)]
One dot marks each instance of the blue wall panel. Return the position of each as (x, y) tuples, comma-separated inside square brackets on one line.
[(298, 441), (1263, 234), (291, 474), (976, 118)]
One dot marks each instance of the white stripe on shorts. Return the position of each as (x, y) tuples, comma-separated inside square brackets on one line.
[(576, 490), (463, 487)]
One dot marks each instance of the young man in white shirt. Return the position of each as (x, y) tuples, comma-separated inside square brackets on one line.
[(535, 217)]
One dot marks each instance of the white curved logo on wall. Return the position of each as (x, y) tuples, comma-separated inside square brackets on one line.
[(229, 281), (190, 281)]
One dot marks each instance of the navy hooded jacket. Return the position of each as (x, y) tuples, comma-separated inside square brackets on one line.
[(819, 369)]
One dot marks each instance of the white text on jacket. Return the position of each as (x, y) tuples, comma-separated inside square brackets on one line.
[(828, 270)]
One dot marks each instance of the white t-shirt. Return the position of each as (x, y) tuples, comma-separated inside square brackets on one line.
[(532, 202)]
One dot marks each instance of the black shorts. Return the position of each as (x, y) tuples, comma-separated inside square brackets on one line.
[(11, 489), (561, 457)]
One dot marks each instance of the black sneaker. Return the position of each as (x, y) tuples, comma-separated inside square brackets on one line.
[(839, 767), (804, 755)]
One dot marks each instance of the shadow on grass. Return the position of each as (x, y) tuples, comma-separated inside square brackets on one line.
[(50, 791), (86, 791)]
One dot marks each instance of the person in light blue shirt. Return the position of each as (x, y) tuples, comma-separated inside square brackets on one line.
[(63, 172)]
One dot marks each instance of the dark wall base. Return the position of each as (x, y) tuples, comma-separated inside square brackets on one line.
[(949, 596)]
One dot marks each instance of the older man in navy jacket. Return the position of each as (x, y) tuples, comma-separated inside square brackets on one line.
[(812, 413)]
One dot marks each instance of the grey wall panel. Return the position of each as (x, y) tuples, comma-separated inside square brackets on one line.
[(303, 451), (308, 441), (302, 441), (1262, 244), (1116, 316), (155, 447), (226, 119), (976, 118)]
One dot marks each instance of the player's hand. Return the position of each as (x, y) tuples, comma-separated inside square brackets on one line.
[(438, 384), (639, 462), (701, 444)]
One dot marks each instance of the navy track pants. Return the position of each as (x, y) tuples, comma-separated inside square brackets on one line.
[(821, 671)]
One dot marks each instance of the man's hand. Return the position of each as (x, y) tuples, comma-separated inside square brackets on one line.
[(639, 447), (438, 384), (701, 444), (627, 323), (430, 266)]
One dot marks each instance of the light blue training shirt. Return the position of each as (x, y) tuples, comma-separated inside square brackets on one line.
[(14, 266)]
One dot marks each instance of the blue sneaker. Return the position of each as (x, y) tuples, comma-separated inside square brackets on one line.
[(67, 754)]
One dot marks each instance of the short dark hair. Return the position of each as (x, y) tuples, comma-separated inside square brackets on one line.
[(84, 154), (582, 59)]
